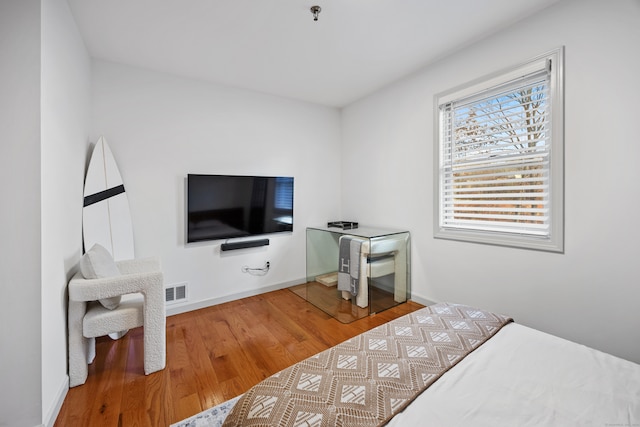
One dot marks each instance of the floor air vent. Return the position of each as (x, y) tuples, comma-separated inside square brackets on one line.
[(176, 293)]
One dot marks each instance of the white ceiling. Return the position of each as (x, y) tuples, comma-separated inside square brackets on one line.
[(275, 47)]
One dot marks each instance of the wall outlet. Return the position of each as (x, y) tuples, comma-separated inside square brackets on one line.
[(176, 293)]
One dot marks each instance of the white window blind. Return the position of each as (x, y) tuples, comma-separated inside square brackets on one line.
[(495, 155), (284, 193)]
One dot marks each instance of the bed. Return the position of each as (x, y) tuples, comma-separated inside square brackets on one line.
[(491, 372)]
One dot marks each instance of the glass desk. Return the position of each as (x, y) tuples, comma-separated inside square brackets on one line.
[(376, 277)]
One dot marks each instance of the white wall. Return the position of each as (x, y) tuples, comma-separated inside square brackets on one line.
[(161, 128), (43, 121), (64, 145), (590, 293), (20, 351)]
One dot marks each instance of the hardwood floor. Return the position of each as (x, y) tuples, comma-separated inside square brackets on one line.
[(213, 354), (330, 300)]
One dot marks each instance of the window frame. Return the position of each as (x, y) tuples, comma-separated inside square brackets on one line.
[(554, 242)]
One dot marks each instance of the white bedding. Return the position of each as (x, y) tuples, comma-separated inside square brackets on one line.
[(523, 377)]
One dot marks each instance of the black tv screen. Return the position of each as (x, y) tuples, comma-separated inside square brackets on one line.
[(227, 206)]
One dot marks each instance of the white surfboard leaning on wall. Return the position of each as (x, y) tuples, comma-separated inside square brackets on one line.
[(106, 218)]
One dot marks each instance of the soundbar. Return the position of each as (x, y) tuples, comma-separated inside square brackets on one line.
[(241, 245)]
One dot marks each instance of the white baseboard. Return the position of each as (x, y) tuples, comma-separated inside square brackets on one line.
[(191, 306), (196, 305), (50, 418)]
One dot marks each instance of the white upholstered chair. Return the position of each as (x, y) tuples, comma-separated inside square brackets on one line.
[(96, 309), (396, 262)]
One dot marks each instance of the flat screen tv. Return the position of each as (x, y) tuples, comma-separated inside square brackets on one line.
[(228, 206)]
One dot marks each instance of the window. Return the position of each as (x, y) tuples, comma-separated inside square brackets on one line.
[(284, 193), (500, 158)]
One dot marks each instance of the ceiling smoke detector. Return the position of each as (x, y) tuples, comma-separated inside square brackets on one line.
[(315, 10)]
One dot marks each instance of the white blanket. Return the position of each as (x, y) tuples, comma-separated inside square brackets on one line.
[(523, 377)]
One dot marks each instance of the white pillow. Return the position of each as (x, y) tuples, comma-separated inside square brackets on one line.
[(98, 263)]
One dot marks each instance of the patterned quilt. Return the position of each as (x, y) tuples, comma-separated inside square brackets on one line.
[(368, 379)]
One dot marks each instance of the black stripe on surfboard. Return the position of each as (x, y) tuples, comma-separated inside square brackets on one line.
[(103, 195)]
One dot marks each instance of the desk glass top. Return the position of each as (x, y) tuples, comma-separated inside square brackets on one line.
[(367, 232)]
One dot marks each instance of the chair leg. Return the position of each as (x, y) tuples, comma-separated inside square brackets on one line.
[(81, 349), (155, 352)]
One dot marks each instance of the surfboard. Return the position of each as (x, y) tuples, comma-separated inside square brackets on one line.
[(106, 218)]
